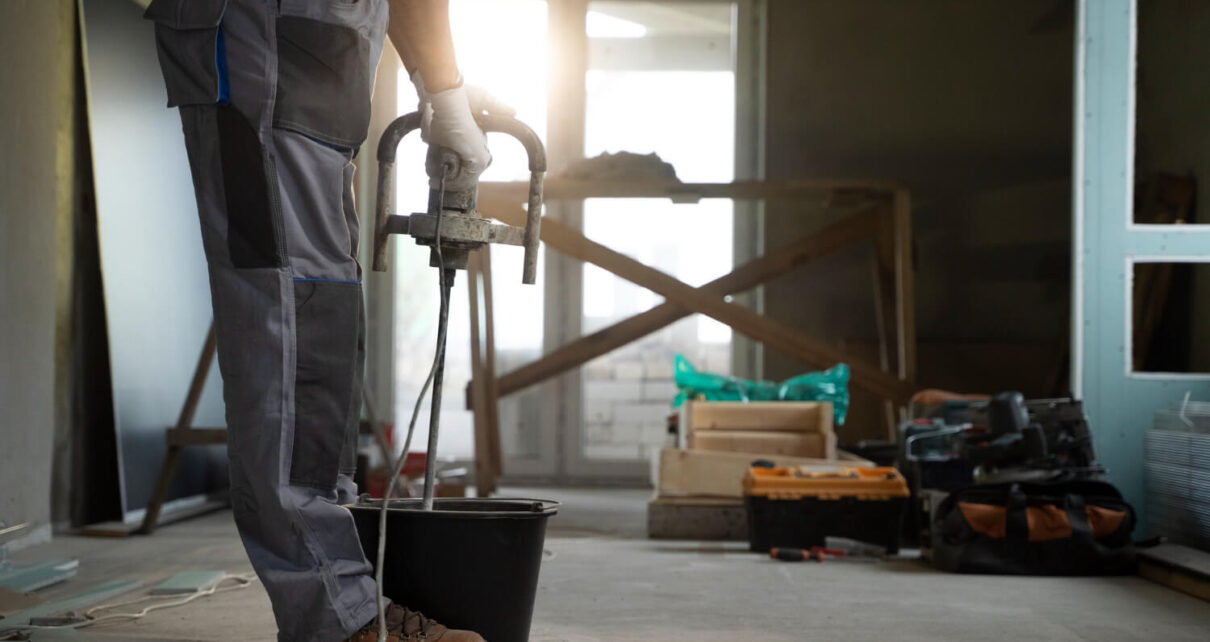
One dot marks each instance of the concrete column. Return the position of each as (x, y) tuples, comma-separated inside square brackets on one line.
[(38, 45)]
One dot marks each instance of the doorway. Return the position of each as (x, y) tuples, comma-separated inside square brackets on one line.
[(657, 77)]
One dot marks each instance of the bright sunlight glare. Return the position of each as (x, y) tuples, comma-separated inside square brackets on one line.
[(600, 25)]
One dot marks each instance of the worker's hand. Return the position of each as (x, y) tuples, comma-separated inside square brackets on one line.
[(454, 129), (448, 122), (480, 100)]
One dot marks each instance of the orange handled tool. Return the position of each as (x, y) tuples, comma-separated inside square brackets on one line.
[(813, 554)]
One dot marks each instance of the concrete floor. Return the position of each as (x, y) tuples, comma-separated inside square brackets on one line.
[(605, 582)]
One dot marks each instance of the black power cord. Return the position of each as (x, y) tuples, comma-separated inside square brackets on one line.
[(438, 357)]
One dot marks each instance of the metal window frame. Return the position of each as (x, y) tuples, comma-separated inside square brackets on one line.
[(1107, 243), (561, 424)]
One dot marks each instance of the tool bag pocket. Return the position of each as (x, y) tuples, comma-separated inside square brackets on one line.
[(190, 48), (1060, 528)]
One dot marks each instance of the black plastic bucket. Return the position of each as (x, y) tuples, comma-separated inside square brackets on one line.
[(468, 563)]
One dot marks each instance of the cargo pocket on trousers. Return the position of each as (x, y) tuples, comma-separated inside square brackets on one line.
[(255, 238), (189, 44), (323, 81), (327, 315)]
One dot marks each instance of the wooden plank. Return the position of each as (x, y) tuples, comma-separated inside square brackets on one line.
[(1174, 579), (495, 449), (1188, 560), (151, 518), (793, 416), (9, 530), (163, 482), (792, 444), (905, 286), (198, 383), (886, 309), (1178, 567), (556, 189), (831, 239), (697, 518), (721, 474), (475, 393), (484, 473), (772, 333)]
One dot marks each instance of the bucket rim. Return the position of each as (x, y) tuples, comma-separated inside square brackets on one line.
[(539, 507)]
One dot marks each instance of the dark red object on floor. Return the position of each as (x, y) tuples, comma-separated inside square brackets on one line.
[(413, 468), (813, 554)]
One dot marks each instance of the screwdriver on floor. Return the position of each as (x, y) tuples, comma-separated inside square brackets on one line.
[(813, 554), (836, 547)]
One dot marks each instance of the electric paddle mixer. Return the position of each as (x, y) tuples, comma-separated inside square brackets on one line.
[(452, 228), (463, 228)]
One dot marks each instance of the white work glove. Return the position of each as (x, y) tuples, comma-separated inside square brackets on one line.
[(448, 122), (480, 100)]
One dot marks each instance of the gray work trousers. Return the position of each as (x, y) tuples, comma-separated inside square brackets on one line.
[(274, 97)]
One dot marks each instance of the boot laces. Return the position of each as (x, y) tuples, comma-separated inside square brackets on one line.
[(421, 632)]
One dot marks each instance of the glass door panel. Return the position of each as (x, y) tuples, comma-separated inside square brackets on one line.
[(660, 80)]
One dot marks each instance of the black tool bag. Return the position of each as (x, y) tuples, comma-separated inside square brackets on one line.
[(1080, 527)]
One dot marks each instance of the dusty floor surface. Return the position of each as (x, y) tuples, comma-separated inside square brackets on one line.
[(603, 581)]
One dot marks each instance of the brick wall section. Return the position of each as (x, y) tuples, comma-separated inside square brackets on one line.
[(628, 393)]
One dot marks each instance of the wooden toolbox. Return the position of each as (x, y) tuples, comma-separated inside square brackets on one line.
[(786, 428), (699, 486), (699, 493), (682, 473)]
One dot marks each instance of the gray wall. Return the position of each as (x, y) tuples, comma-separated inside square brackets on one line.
[(36, 200), (967, 103)]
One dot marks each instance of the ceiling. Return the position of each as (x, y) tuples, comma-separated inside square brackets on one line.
[(671, 18)]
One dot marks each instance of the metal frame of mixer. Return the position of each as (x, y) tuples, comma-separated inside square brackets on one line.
[(452, 228)]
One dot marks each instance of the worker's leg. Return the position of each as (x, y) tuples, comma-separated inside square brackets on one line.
[(345, 488), (270, 129)]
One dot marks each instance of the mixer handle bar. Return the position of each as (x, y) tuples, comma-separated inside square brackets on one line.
[(537, 171), (402, 126), (384, 207)]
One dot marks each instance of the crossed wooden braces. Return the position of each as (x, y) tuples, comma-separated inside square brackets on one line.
[(880, 212)]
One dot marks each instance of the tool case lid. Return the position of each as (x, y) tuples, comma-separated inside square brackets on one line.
[(797, 482)]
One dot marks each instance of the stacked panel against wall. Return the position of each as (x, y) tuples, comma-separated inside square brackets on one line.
[(1177, 470)]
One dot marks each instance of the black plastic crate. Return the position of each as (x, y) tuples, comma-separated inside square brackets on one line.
[(806, 521)]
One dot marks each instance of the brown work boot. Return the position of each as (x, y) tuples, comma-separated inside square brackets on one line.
[(406, 625)]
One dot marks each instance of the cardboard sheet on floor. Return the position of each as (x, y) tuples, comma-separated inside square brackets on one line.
[(76, 602), (32, 577), (12, 601), (188, 582)]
